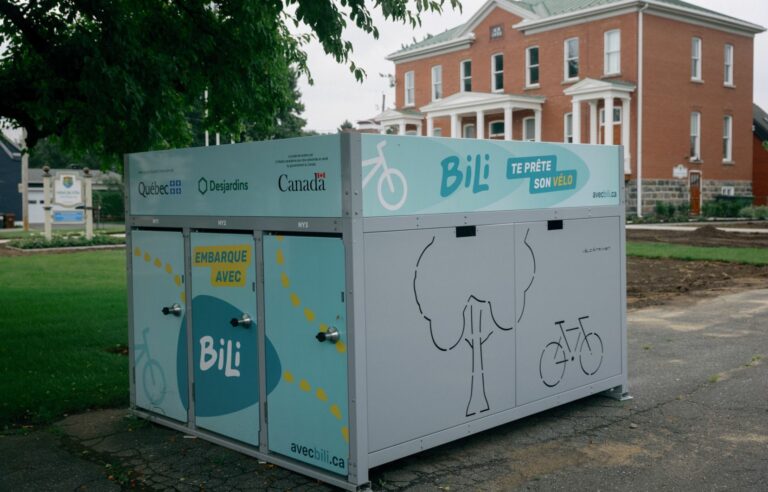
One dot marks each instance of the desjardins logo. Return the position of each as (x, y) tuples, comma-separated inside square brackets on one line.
[(205, 185)]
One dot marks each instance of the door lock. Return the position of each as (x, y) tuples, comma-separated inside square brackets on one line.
[(332, 335), (175, 310), (245, 321)]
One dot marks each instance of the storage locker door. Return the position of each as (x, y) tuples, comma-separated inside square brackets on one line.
[(569, 333), (306, 321), (159, 328), (224, 335)]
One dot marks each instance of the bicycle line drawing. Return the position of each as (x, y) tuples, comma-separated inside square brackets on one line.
[(152, 376), (387, 173), (555, 357)]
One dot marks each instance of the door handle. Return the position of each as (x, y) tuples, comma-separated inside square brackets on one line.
[(245, 321), (174, 309), (332, 335)]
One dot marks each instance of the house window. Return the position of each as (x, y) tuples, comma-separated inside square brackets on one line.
[(469, 131), (571, 59), (529, 129), (409, 84), (437, 82), (616, 115), (612, 50), (696, 59), (497, 72), (727, 141), (728, 78), (532, 66), (466, 76), (497, 31), (695, 136), (496, 129), (568, 128), (437, 132)]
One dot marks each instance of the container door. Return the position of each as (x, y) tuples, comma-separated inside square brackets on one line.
[(305, 320), (159, 328), (224, 335)]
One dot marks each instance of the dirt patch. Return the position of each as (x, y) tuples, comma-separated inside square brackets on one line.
[(706, 235)]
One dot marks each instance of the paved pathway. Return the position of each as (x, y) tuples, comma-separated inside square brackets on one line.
[(698, 421)]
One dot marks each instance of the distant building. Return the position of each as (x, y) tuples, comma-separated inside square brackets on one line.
[(102, 180), (10, 178), (759, 155), (674, 78)]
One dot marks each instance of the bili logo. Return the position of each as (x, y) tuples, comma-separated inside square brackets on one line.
[(211, 185), (317, 183), (172, 187)]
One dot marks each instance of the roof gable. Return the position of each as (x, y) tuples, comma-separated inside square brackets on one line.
[(520, 9)]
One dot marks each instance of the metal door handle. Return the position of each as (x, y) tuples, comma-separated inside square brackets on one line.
[(245, 321), (332, 335), (174, 309)]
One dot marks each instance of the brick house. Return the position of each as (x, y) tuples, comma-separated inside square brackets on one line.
[(676, 78), (760, 155)]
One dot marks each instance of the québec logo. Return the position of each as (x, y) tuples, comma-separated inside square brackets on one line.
[(211, 185), (316, 183), (172, 187)]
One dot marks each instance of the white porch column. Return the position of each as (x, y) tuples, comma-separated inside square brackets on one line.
[(576, 120), (507, 123), (418, 128), (537, 124), (401, 128), (593, 122), (625, 133), (608, 121), (383, 130), (430, 126), (455, 133), (480, 125)]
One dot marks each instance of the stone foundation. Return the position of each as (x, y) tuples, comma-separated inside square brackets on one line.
[(676, 192)]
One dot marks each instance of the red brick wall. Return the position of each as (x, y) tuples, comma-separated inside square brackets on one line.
[(670, 96), (759, 172)]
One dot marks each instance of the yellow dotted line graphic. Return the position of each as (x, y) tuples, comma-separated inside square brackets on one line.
[(321, 395), (159, 264), (309, 314)]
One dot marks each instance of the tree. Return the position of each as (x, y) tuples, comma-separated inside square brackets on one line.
[(346, 126), (124, 75)]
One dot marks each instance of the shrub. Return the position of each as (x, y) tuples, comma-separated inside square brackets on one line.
[(725, 206), (39, 242), (756, 213), (664, 209)]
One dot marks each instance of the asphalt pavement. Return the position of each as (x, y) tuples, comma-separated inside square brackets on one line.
[(698, 421)]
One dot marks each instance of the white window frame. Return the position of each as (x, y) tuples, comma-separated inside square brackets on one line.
[(728, 139), (695, 133), (409, 86), (696, 58), (437, 132), (529, 67), (490, 128), (467, 126), (526, 137), (494, 72), (616, 121), (608, 53), (728, 65), (437, 82), (568, 128), (464, 77), (567, 59)]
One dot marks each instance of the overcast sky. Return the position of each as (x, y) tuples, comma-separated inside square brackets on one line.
[(336, 95)]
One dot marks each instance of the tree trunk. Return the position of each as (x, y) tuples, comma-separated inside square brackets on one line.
[(474, 312)]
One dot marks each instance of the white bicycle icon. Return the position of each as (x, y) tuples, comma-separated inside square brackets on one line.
[(387, 174)]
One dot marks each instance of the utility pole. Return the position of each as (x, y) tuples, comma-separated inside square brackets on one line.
[(24, 179)]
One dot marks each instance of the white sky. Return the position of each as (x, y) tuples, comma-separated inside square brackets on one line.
[(336, 95)]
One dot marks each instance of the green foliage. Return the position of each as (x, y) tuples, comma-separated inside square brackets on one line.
[(725, 206), (752, 256), (60, 316), (50, 152), (346, 126), (125, 75), (765, 144), (64, 241), (755, 213), (669, 211)]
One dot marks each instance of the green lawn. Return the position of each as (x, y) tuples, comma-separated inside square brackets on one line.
[(753, 256), (58, 316)]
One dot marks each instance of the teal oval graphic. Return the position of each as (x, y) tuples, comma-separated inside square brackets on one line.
[(226, 360)]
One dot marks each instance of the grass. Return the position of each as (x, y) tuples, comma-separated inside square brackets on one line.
[(752, 256), (58, 316)]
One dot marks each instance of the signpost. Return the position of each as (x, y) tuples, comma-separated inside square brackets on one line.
[(72, 192)]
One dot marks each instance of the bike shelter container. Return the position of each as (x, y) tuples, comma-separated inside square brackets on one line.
[(330, 304)]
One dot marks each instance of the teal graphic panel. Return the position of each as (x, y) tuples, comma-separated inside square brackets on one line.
[(305, 313), (277, 178), (224, 331), (158, 322), (418, 175)]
